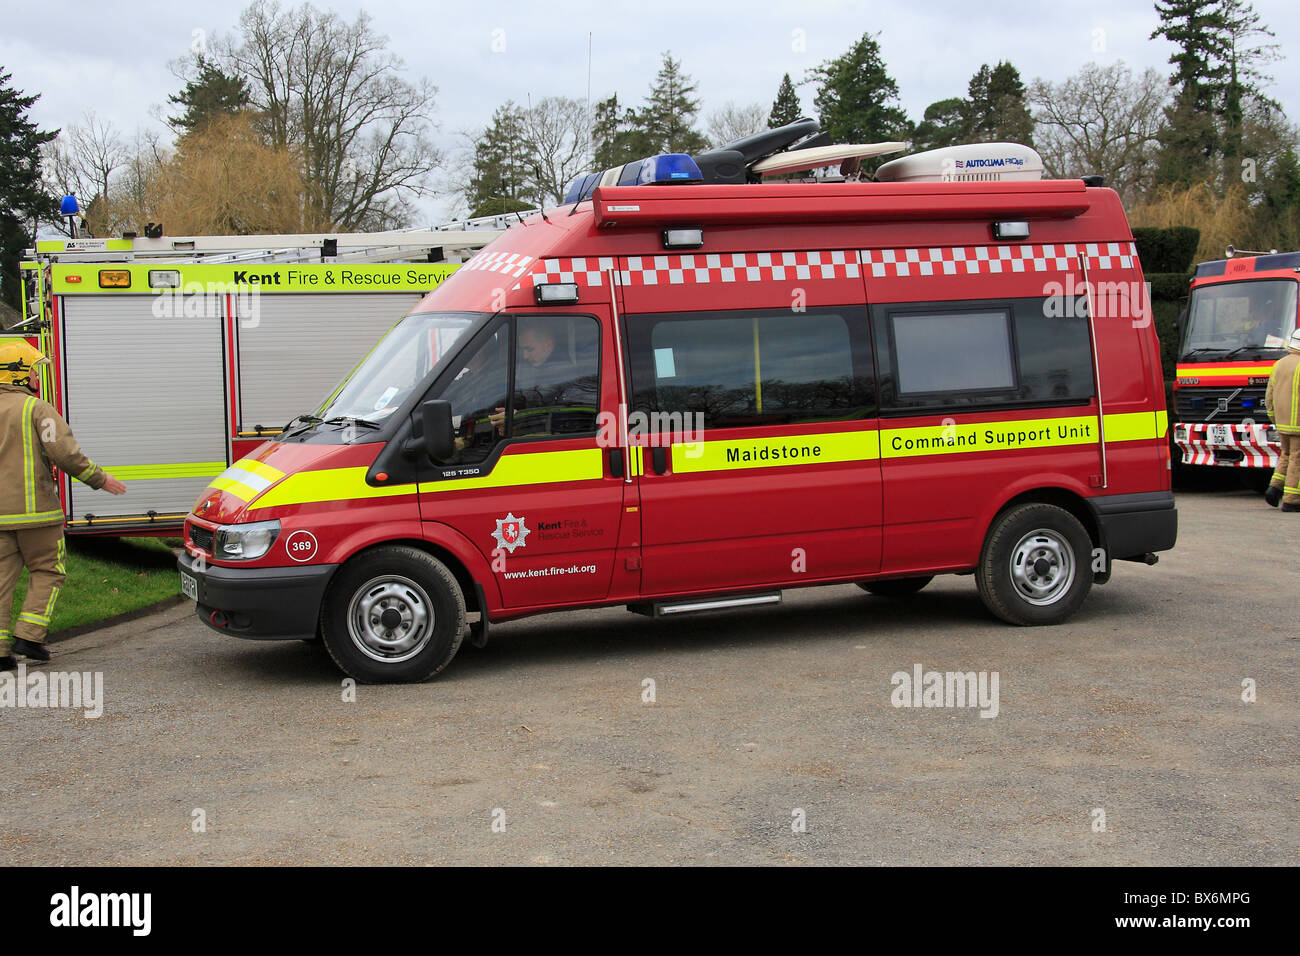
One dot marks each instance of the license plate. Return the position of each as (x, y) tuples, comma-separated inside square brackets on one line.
[(1219, 435), (189, 586)]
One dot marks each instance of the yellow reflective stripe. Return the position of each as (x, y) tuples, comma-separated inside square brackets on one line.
[(24, 518), (1162, 424), (1135, 426), (1201, 371), (258, 468), (184, 469), (49, 607), (235, 488), (27, 617), (29, 456), (349, 484), (85, 475), (1295, 397), (638, 461), (62, 552), (775, 451)]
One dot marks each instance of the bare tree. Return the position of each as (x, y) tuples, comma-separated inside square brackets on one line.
[(82, 160), (557, 141), (1102, 120), (731, 122), (331, 90)]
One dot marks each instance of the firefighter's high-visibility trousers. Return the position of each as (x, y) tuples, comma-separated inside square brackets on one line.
[(1287, 474), (41, 550)]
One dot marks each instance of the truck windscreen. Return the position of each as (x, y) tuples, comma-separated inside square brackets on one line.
[(1233, 316), (395, 367)]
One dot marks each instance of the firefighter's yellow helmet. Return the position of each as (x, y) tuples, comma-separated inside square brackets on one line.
[(17, 359)]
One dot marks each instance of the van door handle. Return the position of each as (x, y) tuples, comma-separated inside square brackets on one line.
[(659, 459), (616, 463)]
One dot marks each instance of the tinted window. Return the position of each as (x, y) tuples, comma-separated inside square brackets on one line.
[(557, 376), (953, 352), (980, 354), (752, 368)]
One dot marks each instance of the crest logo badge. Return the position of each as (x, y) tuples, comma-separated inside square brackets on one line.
[(511, 533)]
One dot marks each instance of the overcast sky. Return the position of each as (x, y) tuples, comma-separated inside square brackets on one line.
[(85, 55)]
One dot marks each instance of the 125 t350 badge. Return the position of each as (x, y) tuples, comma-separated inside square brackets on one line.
[(511, 533)]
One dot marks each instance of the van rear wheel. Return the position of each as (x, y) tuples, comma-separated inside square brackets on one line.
[(898, 587), (1035, 565), (393, 615)]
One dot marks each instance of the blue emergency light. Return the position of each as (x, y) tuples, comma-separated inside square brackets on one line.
[(68, 206), (668, 168), (581, 188)]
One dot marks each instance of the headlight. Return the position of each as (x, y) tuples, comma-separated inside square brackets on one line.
[(245, 542)]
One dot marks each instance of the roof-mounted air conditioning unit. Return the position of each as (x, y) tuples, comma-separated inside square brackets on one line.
[(969, 163)]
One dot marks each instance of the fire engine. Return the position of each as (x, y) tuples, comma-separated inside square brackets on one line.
[(693, 386), (1241, 312), (172, 357)]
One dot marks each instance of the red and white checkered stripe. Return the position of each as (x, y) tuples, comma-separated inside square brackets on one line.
[(511, 264), (993, 260), (696, 268), (1257, 451)]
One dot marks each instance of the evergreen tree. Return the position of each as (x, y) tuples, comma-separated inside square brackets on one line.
[(1244, 81), (617, 136), (210, 93), (995, 109), (1190, 139), (22, 200), (668, 117), (943, 124), (857, 100), (785, 108), (499, 182)]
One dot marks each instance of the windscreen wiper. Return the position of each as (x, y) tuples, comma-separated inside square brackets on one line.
[(350, 420), (1205, 349), (304, 419), (1240, 349)]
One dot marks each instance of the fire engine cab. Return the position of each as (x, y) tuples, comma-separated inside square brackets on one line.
[(686, 390), (1241, 312)]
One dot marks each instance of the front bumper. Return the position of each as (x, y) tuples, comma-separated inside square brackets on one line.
[(259, 603), (1134, 525), (1233, 445)]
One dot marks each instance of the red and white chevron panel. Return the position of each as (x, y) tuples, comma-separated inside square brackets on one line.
[(1257, 451)]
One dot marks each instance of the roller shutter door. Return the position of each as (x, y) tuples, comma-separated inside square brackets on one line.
[(145, 396), (295, 349)]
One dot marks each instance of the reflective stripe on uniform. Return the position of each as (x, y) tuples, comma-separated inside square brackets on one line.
[(49, 605), (29, 455), (85, 475), (43, 517), (27, 617)]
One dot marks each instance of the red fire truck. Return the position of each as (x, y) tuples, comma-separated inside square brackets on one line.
[(1241, 313), (686, 393)]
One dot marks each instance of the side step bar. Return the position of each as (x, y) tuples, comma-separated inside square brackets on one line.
[(678, 608)]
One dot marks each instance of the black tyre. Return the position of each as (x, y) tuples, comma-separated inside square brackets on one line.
[(896, 588), (1036, 565), (393, 615)]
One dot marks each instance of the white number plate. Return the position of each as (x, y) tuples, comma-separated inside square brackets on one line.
[(189, 586), (1219, 435)]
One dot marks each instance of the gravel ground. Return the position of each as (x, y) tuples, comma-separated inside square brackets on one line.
[(761, 719)]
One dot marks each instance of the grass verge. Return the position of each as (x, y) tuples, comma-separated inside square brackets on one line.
[(108, 577)]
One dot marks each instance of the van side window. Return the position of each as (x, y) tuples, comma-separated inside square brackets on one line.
[(477, 394), (981, 354), (753, 368), (557, 376)]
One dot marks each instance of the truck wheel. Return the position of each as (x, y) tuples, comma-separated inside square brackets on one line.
[(393, 615), (1035, 565), (898, 587)]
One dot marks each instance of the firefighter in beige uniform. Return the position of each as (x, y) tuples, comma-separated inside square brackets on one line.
[(1283, 403), (32, 436)]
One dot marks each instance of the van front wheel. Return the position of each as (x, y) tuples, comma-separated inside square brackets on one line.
[(1035, 565), (393, 615)]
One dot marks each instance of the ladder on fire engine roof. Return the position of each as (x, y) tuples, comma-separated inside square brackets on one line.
[(451, 242)]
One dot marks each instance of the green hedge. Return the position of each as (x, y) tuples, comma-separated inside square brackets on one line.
[(1167, 250)]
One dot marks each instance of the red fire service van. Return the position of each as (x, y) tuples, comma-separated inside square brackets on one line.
[(688, 389)]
